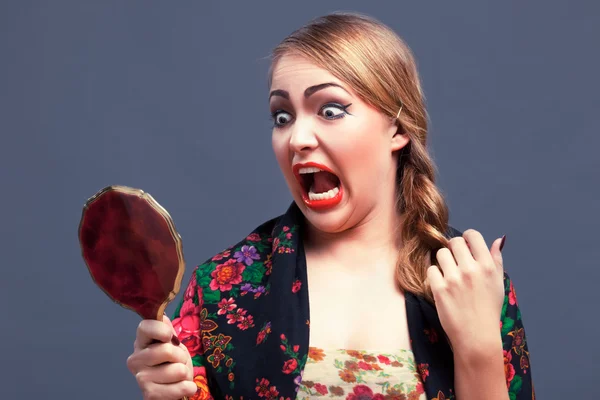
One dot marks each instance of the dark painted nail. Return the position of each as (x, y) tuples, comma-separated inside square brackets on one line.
[(502, 242), (175, 340)]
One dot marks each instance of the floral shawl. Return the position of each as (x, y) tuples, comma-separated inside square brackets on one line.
[(244, 318)]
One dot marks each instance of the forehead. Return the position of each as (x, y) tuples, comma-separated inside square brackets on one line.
[(296, 73)]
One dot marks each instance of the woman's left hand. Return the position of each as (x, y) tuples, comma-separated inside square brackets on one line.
[(470, 293)]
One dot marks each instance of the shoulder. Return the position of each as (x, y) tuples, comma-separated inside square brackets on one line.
[(255, 247)]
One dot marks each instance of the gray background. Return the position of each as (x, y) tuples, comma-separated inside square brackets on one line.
[(171, 97)]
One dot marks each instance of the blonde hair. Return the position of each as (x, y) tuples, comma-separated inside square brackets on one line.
[(370, 57)]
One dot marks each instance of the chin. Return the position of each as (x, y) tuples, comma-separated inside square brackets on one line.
[(331, 220)]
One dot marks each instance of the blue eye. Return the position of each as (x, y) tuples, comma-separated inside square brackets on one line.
[(334, 110), (280, 118)]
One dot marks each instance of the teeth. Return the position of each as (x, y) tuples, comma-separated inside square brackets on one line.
[(323, 196), (309, 170)]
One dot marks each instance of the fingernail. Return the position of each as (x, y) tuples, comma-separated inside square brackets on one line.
[(502, 242), (175, 340)]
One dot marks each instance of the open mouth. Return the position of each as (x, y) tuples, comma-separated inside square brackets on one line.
[(321, 188)]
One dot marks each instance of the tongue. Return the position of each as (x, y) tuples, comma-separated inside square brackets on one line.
[(324, 182)]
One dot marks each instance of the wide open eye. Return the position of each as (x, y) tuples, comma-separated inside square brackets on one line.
[(334, 110), (280, 118)]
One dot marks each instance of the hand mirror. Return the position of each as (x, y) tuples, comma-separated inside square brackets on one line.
[(132, 250)]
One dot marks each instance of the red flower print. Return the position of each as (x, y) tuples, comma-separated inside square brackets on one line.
[(512, 295), (282, 337), (191, 289), (273, 393), (263, 387), (351, 365), (431, 335), (231, 377), (296, 348), (363, 392), (321, 389), (222, 255), (288, 236), (423, 370), (189, 308), (236, 316), (261, 336), (509, 370), (363, 365), (253, 237), (226, 305), (285, 228), (282, 347), (296, 286), (383, 359), (226, 275), (247, 322), (187, 328), (420, 388), (290, 366)]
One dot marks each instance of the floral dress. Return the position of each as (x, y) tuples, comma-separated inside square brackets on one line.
[(361, 375), (245, 320)]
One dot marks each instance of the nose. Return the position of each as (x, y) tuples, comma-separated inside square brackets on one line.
[(303, 137)]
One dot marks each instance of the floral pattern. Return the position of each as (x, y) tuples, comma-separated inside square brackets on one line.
[(244, 318), (361, 375)]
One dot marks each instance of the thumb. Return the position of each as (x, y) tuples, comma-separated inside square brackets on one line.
[(496, 251), (167, 321), (174, 339)]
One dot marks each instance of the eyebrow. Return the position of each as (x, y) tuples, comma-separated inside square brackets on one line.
[(308, 92)]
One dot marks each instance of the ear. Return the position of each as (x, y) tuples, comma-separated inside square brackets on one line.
[(399, 140)]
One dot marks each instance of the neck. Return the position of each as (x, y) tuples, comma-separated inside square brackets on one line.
[(377, 237)]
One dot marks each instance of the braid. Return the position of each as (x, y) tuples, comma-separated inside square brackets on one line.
[(426, 219)]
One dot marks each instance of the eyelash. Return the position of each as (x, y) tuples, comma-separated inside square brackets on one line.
[(342, 107)]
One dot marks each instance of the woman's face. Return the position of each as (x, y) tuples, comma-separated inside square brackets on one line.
[(335, 151)]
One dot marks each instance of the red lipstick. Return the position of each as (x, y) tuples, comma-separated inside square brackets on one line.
[(317, 204)]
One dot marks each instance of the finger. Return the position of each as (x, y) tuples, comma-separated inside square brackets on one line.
[(171, 391), (167, 321), (157, 354), (149, 331), (166, 373), (446, 262), (477, 246), (435, 279), (496, 253), (460, 251)]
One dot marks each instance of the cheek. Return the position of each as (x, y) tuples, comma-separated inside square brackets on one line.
[(281, 151), (362, 156)]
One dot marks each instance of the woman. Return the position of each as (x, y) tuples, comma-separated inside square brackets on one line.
[(402, 306)]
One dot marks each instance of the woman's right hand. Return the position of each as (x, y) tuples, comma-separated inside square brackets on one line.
[(161, 365)]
